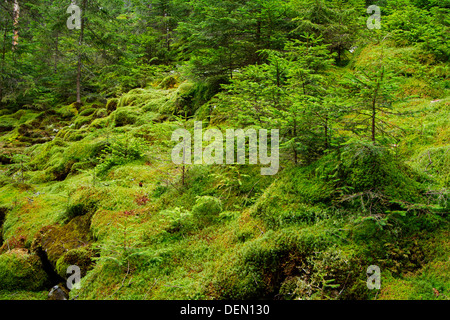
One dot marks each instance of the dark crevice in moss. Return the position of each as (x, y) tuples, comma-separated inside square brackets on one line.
[(53, 277), (86, 208), (5, 159), (3, 212)]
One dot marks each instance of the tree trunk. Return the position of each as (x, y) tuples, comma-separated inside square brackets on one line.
[(294, 149), (3, 62), (167, 31), (374, 105), (231, 64), (55, 65), (79, 79), (80, 44), (278, 75), (21, 170), (16, 16), (374, 112), (257, 59), (258, 33), (184, 174)]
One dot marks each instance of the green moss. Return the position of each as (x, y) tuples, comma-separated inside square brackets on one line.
[(256, 272), (148, 99), (296, 198), (68, 112), (101, 113), (168, 82), (207, 209), (433, 283), (229, 233), (57, 240), (81, 166), (123, 117), (87, 112), (57, 161), (23, 295), (328, 274), (5, 127), (190, 97), (370, 175), (83, 121), (76, 105), (135, 98), (80, 257), (100, 123), (20, 270), (74, 135), (87, 206)]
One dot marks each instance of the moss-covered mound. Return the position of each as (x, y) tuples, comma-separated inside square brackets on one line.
[(80, 257), (56, 240), (20, 270)]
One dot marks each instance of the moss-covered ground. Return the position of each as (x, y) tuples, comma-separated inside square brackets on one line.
[(97, 189)]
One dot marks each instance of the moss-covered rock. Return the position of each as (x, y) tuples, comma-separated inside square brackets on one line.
[(25, 129), (80, 257), (67, 112), (124, 117), (262, 265), (56, 240), (81, 166), (99, 123), (168, 82), (83, 121), (87, 112), (76, 105), (58, 293), (20, 270), (207, 209), (101, 113)]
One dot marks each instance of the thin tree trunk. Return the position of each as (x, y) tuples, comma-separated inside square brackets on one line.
[(257, 59), (230, 64), (278, 75), (55, 65), (258, 33), (21, 170), (3, 61), (374, 106), (167, 30), (184, 173), (16, 15), (374, 112), (80, 44), (294, 149), (79, 79)]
